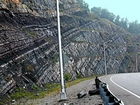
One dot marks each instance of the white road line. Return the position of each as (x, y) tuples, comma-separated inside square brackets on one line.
[(124, 88)]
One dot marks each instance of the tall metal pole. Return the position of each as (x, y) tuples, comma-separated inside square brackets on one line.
[(105, 60), (63, 93), (136, 63)]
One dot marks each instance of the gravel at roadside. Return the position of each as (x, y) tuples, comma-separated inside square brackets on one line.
[(72, 98)]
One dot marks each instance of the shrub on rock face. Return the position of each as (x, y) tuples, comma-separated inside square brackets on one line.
[(79, 76), (67, 77)]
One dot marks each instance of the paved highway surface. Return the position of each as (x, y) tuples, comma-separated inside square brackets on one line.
[(124, 86)]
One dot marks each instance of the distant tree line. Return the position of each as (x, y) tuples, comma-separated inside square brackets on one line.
[(132, 27), (83, 5)]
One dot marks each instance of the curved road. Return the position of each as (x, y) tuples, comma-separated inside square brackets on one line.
[(124, 86)]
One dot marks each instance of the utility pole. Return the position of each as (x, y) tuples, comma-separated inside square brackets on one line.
[(63, 93), (105, 60), (105, 56), (137, 62)]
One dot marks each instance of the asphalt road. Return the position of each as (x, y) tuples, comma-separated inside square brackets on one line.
[(124, 86)]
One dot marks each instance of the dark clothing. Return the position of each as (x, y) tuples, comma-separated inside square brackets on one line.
[(97, 82)]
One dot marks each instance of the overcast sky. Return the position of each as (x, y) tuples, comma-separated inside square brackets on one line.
[(129, 9)]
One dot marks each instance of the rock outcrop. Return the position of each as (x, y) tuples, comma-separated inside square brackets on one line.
[(29, 44)]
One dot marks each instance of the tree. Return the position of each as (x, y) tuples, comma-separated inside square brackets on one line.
[(80, 2), (117, 20), (104, 13), (126, 23), (111, 17), (96, 10), (132, 27), (83, 5)]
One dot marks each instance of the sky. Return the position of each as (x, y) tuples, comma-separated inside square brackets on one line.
[(129, 9)]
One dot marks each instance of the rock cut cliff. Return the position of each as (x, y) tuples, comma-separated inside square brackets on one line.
[(29, 44)]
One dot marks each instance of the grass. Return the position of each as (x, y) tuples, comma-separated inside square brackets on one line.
[(32, 33), (71, 83), (51, 89), (55, 88), (92, 17)]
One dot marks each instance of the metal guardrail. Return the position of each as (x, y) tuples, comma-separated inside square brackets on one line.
[(107, 96)]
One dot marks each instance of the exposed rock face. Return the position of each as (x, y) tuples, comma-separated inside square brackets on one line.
[(29, 44)]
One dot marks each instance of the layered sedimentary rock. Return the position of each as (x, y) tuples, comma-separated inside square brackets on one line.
[(29, 44)]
